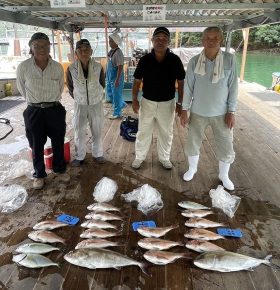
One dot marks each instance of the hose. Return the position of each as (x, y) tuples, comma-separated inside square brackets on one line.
[(7, 122)]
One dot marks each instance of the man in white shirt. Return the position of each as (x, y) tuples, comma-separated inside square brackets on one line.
[(41, 80), (211, 90)]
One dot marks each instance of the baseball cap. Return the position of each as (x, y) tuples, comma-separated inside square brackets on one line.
[(38, 35), (161, 30), (82, 42)]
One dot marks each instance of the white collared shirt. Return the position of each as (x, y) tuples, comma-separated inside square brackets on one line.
[(38, 86)]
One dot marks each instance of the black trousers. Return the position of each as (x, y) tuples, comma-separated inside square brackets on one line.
[(41, 123)]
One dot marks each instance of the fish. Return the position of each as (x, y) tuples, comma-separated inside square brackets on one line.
[(155, 232), (202, 246), (163, 257), (224, 261), (45, 237), (196, 213), (191, 205), (96, 243), (98, 233), (201, 234), (101, 259), (97, 224), (103, 215), (102, 206), (35, 248), (49, 225), (33, 260), (157, 244), (202, 223)]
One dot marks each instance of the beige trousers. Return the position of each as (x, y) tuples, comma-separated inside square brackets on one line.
[(155, 115), (222, 134)]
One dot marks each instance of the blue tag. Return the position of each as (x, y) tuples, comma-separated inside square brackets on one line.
[(68, 219), (149, 224), (229, 232)]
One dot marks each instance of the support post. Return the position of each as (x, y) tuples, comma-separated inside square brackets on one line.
[(245, 33)]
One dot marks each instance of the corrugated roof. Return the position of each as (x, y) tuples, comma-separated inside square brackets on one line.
[(228, 14)]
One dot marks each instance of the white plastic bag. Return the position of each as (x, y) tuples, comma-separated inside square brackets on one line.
[(148, 198), (12, 197), (20, 168), (105, 190), (226, 202)]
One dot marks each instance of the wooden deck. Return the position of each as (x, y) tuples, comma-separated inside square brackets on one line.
[(256, 175)]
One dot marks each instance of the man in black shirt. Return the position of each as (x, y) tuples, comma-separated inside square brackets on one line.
[(159, 71)]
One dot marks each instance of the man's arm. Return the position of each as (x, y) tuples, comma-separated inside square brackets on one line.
[(135, 91), (102, 78), (180, 97), (69, 82), (20, 81), (119, 73)]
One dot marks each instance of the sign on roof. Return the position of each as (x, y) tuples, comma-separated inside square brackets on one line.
[(154, 13), (68, 3)]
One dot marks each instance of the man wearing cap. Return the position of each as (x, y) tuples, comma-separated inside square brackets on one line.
[(115, 76), (210, 100), (40, 80), (86, 82), (159, 71)]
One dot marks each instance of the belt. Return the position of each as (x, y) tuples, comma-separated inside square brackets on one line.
[(44, 104)]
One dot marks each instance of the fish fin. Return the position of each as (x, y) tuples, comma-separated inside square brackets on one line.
[(118, 268)]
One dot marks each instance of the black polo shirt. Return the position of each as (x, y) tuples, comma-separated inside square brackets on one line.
[(159, 77)]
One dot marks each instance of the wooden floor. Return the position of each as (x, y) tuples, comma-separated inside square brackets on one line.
[(255, 173)]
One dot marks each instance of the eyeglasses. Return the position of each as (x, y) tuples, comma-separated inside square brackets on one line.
[(43, 47)]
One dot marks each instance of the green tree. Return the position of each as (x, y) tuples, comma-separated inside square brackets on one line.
[(268, 35)]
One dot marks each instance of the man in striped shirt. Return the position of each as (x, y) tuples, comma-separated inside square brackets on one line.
[(41, 80)]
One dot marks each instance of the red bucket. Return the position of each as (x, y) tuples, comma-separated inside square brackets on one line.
[(48, 153)]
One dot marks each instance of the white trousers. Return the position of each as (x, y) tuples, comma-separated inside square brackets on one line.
[(94, 115), (222, 134), (155, 115)]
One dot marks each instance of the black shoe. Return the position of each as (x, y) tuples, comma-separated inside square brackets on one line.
[(77, 163), (99, 159)]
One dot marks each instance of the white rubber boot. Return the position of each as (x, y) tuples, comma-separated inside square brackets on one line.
[(193, 161), (223, 175)]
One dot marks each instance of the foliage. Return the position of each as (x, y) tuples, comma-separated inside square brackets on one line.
[(268, 34)]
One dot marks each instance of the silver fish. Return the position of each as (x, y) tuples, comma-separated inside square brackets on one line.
[(45, 237), (163, 257), (33, 260), (102, 206), (103, 215), (98, 233), (224, 261), (96, 243), (202, 223), (157, 244), (202, 246), (201, 234), (191, 205), (97, 224), (101, 259), (35, 248), (49, 225), (196, 213), (155, 232)]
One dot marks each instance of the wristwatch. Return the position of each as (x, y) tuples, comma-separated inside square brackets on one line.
[(179, 103), (233, 113)]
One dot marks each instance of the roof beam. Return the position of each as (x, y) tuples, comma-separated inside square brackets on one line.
[(135, 7), (26, 18)]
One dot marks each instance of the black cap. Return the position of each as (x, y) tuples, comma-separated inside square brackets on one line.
[(161, 30), (82, 42), (38, 35)]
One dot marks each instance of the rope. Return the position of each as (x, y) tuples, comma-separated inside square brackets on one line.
[(6, 122)]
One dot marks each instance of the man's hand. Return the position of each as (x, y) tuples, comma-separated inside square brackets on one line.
[(135, 106), (117, 83), (184, 118), (178, 109), (230, 120)]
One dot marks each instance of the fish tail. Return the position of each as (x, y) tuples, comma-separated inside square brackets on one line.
[(145, 268), (267, 259)]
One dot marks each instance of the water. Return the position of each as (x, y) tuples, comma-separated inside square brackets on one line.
[(259, 67)]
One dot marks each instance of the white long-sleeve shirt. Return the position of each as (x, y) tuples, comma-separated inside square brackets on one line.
[(208, 99), (38, 86)]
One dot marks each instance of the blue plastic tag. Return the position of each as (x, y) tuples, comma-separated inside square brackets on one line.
[(68, 219), (229, 232), (149, 224)]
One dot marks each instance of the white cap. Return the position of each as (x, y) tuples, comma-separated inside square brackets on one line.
[(116, 38)]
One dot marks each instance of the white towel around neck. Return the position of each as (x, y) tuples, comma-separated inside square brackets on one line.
[(81, 76), (218, 72)]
